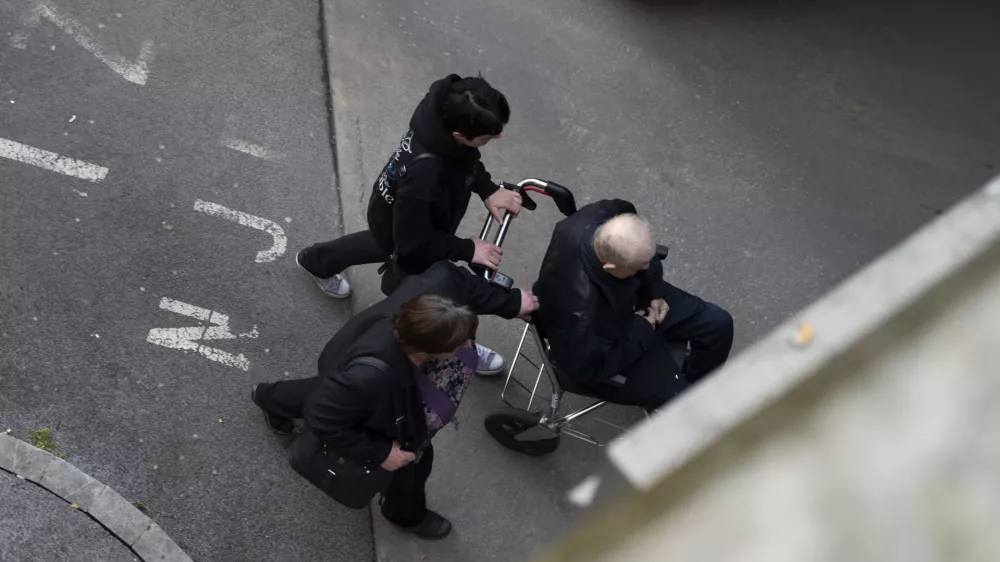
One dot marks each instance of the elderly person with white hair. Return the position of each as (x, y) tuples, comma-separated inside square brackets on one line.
[(608, 313)]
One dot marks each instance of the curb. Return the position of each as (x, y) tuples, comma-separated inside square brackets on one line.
[(348, 170), (348, 163), (132, 527)]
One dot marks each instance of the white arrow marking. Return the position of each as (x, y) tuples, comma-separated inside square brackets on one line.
[(187, 338), (276, 250), (136, 72), (52, 161)]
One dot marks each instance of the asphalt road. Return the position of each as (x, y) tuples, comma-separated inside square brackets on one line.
[(777, 147), (86, 265)]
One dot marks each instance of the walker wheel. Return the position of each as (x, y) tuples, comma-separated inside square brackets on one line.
[(505, 426)]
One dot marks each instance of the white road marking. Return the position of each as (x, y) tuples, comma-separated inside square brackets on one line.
[(276, 250), (134, 71), (19, 40), (250, 148), (187, 338), (51, 161)]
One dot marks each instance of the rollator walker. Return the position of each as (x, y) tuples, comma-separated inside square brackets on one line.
[(537, 432)]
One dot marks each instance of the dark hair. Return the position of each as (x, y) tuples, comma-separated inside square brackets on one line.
[(433, 324), (474, 108)]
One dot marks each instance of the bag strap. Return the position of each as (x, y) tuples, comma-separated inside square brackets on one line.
[(422, 156), (375, 362), (384, 368)]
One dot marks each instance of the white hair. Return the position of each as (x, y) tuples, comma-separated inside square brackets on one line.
[(625, 241)]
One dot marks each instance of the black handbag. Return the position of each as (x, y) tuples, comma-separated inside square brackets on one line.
[(348, 482)]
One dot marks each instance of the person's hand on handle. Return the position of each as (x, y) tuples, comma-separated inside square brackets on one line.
[(660, 308), (487, 254), (529, 304), (397, 458), (503, 199)]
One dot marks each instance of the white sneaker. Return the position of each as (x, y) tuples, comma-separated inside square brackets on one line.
[(337, 286), (490, 362)]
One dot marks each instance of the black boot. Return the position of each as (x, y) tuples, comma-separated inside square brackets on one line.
[(277, 424), (434, 527)]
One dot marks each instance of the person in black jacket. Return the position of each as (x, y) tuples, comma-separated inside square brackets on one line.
[(423, 329), (422, 194), (608, 313)]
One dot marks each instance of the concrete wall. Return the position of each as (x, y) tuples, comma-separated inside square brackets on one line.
[(877, 439)]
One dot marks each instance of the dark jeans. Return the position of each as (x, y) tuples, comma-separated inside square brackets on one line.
[(656, 378), (327, 259), (404, 502)]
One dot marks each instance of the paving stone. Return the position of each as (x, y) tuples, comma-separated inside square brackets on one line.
[(8, 452), (71, 484), (31, 461), (155, 546), (120, 516)]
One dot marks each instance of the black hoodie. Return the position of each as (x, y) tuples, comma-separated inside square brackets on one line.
[(417, 202)]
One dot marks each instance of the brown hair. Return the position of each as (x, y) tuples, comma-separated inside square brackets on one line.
[(434, 324)]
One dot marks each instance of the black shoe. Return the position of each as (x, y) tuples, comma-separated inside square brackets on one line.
[(277, 424), (435, 527)]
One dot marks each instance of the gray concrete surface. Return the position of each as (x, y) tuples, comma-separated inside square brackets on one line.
[(81, 278), (777, 147), (36, 526)]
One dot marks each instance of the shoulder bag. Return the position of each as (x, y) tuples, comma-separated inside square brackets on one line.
[(348, 482)]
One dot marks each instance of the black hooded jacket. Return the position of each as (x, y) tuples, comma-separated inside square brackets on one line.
[(418, 202)]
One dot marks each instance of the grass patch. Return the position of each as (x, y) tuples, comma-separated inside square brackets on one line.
[(42, 438), (139, 505)]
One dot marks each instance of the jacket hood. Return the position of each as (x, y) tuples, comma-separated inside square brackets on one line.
[(428, 129)]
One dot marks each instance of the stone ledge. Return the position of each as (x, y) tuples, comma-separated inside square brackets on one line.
[(104, 505)]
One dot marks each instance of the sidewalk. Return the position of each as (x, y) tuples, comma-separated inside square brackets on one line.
[(53, 512), (503, 505)]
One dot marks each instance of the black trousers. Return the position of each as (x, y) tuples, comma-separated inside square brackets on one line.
[(656, 378), (327, 259), (405, 501)]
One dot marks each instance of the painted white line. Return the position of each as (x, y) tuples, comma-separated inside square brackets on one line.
[(250, 148), (51, 161), (276, 250), (187, 338), (19, 40), (136, 72)]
